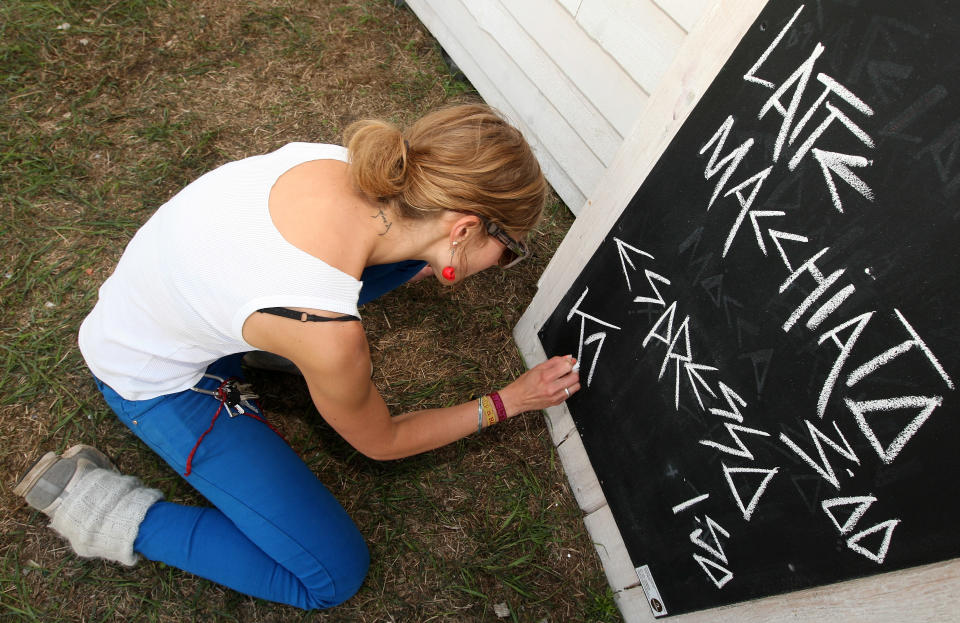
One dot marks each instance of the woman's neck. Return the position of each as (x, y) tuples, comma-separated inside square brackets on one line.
[(391, 238), (315, 208)]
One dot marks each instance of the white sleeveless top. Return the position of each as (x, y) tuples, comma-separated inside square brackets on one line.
[(191, 276)]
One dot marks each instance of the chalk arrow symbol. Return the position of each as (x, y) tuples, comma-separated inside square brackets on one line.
[(754, 215), (832, 163), (625, 258)]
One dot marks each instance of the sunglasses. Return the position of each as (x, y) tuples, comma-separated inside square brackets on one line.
[(515, 250)]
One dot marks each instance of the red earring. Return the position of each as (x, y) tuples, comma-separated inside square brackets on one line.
[(448, 272)]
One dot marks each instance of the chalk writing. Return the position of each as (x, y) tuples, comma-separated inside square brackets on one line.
[(774, 358), (828, 293), (585, 339), (691, 502), (824, 294)]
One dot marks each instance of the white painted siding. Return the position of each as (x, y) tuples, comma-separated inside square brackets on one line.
[(574, 75), (637, 33), (583, 61), (686, 13), (571, 6), (597, 134)]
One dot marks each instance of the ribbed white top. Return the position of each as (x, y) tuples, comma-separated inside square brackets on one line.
[(196, 270)]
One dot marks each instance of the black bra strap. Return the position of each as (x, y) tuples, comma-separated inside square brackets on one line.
[(304, 316)]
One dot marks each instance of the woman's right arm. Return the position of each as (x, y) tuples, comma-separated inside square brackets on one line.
[(335, 362)]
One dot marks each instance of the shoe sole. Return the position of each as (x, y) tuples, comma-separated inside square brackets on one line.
[(38, 469)]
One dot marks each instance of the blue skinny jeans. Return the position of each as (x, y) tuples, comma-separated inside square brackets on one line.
[(274, 530)]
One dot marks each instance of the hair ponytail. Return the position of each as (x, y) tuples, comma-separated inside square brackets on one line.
[(464, 158), (378, 158)]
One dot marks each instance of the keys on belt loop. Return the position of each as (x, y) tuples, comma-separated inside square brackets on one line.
[(234, 395)]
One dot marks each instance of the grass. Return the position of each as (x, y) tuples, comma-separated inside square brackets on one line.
[(103, 120)]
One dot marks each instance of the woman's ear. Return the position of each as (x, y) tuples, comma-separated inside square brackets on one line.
[(465, 226)]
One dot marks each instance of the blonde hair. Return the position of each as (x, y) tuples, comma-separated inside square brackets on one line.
[(463, 158)]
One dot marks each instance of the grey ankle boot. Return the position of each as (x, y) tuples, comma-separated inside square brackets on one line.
[(90, 504), (47, 482)]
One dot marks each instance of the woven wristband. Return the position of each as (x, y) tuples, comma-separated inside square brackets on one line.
[(489, 412), (498, 405)]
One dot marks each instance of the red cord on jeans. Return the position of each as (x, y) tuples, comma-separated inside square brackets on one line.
[(223, 401)]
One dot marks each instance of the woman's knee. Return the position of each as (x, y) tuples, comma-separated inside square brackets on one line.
[(347, 574)]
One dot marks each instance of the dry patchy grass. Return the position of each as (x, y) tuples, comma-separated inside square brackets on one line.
[(104, 119)]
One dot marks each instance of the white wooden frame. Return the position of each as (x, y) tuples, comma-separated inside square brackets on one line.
[(927, 593)]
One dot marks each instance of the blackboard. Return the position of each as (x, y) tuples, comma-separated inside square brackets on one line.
[(768, 335)]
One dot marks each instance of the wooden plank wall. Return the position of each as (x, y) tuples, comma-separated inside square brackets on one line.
[(574, 75)]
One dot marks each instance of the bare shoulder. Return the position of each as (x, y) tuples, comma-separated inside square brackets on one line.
[(310, 175), (318, 348)]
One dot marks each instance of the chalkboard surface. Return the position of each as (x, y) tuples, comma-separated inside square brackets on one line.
[(769, 336)]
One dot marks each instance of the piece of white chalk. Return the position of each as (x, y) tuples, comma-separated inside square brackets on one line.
[(576, 367)]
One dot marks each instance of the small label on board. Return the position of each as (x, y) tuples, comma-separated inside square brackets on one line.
[(650, 590)]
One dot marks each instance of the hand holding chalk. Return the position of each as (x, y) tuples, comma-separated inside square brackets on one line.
[(545, 385)]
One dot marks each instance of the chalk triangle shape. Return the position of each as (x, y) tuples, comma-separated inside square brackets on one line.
[(867, 414), (874, 542), (849, 509), (752, 481), (717, 573)]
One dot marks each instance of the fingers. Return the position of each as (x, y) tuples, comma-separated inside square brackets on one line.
[(568, 379), (549, 383), (566, 392), (561, 366)]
